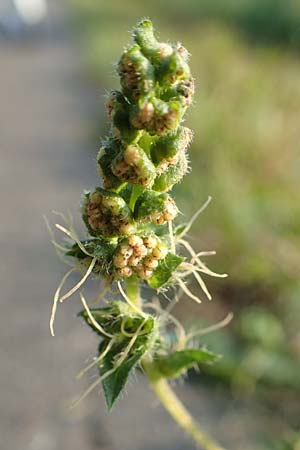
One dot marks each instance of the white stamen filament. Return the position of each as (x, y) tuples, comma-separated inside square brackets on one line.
[(96, 360), (73, 236), (217, 326), (56, 298), (187, 291), (80, 283), (91, 317), (194, 217), (127, 299)]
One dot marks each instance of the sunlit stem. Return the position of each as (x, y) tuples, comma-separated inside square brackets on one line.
[(132, 295), (177, 410)]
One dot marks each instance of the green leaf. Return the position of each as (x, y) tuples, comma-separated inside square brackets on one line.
[(116, 381), (110, 318), (132, 336), (114, 384), (164, 271), (177, 363)]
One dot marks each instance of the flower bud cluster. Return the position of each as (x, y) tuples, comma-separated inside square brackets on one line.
[(148, 140), (139, 255), (144, 155), (107, 214)]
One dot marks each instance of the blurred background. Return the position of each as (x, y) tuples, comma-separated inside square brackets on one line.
[(57, 63)]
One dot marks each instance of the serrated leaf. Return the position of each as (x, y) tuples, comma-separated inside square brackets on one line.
[(164, 271), (176, 363), (115, 383), (103, 316), (110, 318)]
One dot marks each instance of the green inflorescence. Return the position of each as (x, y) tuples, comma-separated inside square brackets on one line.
[(131, 238), (144, 155)]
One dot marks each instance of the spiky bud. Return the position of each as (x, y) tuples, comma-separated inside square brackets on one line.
[(144, 155)]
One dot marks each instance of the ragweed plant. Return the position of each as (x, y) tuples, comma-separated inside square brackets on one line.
[(132, 241)]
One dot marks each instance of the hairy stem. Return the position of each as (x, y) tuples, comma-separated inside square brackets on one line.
[(133, 291), (177, 410)]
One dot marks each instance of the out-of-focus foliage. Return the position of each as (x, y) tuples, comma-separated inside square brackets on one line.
[(262, 351)]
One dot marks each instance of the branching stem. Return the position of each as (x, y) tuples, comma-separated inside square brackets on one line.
[(177, 410), (165, 394)]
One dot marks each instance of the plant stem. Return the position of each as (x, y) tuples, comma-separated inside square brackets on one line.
[(133, 291), (177, 410), (164, 392)]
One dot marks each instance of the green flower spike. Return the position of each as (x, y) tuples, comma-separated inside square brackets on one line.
[(131, 238)]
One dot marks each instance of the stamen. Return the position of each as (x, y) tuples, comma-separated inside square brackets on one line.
[(217, 326), (80, 283), (202, 284), (202, 266), (74, 238), (194, 217), (56, 298), (96, 360), (60, 250), (91, 388), (187, 291), (208, 253), (127, 299), (130, 345), (91, 317)]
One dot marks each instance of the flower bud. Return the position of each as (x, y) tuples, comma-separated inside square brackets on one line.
[(150, 263), (155, 208), (133, 165), (144, 273), (151, 48), (136, 72), (109, 150), (150, 242), (118, 112), (106, 214), (167, 148), (174, 174), (135, 240), (124, 272), (160, 252), (173, 69), (157, 116)]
